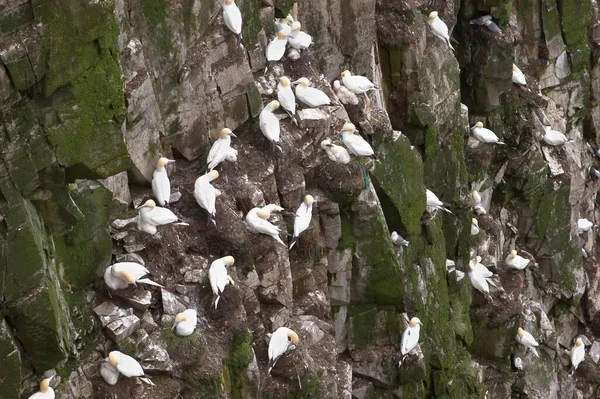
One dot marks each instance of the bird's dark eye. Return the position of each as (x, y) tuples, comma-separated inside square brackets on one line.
[(289, 338)]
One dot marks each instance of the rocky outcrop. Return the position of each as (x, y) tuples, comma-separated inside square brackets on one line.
[(92, 93)]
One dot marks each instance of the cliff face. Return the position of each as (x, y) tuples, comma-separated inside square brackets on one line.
[(93, 92)]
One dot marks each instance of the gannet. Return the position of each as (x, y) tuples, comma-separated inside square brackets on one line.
[(483, 271), (491, 25), (231, 155), (346, 96), (577, 353), (303, 218), (150, 216), (280, 341), (583, 225), (46, 391), (120, 275), (434, 202), (484, 135), (480, 20), (185, 322), (127, 366), (109, 373), (161, 186), (516, 261), (257, 222), (439, 28), (399, 240), (205, 193), (336, 153), (410, 337), (269, 124), (474, 227), (309, 95), (298, 39), (233, 19), (554, 137), (479, 210), (478, 282), (475, 198), (284, 24), (220, 149), (286, 97), (527, 340), (356, 144), (517, 76), (357, 84), (272, 208), (518, 363), (218, 277), (276, 48)]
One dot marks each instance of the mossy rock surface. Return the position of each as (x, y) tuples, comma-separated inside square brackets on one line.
[(10, 372)]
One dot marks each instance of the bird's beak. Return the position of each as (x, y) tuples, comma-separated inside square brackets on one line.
[(233, 134), (420, 323), (174, 325), (171, 161), (296, 82), (140, 206)]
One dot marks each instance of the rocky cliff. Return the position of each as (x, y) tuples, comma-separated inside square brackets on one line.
[(92, 93)]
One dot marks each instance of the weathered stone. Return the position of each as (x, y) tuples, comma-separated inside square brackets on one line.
[(10, 374), (140, 299), (135, 258), (313, 118), (148, 323), (594, 351), (122, 328), (108, 312), (79, 385), (195, 276), (170, 303), (344, 380), (339, 266)]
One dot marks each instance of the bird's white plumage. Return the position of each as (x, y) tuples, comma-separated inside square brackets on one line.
[(357, 84), (526, 339), (45, 392), (232, 18), (336, 153), (554, 137), (279, 344), (149, 217), (399, 240), (577, 353), (272, 208), (299, 40), (516, 261), (302, 220), (286, 98), (517, 76), (269, 125), (127, 366), (276, 48), (356, 144), (283, 25), (205, 194), (440, 29), (584, 225), (311, 96), (262, 226), (186, 327), (114, 275), (485, 135), (161, 186), (474, 227), (109, 373), (219, 278), (478, 280), (410, 338), (219, 152), (434, 202), (344, 94)]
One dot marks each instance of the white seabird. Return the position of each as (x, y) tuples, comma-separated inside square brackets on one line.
[(583, 225), (206, 194), (439, 27), (122, 274), (344, 94), (336, 153), (577, 353), (276, 48), (515, 261), (280, 341), (269, 124), (258, 223), (185, 322), (150, 216), (356, 144), (220, 149), (485, 135), (233, 19), (357, 84), (517, 76), (303, 218), (475, 197), (480, 20), (298, 39), (161, 186), (109, 373), (410, 337), (474, 227), (478, 281), (218, 277), (527, 340), (483, 271), (231, 155), (434, 202), (309, 95), (399, 240), (272, 208), (284, 24), (46, 391), (286, 97), (554, 137), (127, 366)]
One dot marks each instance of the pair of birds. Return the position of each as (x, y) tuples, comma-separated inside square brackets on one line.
[(257, 220), (286, 34), (577, 354), (354, 143), (551, 137), (481, 277), (119, 363)]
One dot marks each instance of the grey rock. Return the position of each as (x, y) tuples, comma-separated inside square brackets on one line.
[(339, 265), (108, 312), (79, 385), (562, 68), (376, 365), (175, 197), (148, 323), (122, 328), (140, 299), (362, 390), (130, 258), (594, 351), (195, 276), (311, 118), (170, 303), (344, 380), (121, 223)]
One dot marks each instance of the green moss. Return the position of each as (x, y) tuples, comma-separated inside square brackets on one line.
[(250, 9), (10, 372), (240, 356), (311, 387), (347, 240), (174, 128), (362, 319), (576, 17)]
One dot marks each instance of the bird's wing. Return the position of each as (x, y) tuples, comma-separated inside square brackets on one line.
[(218, 151), (409, 340), (205, 195), (481, 270), (213, 274), (277, 345), (233, 18), (286, 98), (316, 96), (440, 26), (264, 226), (362, 83), (161, 187), (479, 283), (269, 126), (222, 279), (358, 145), (129, 367), (160, 216), (275, 49), (488, 135), (302, 220), (528, 339)]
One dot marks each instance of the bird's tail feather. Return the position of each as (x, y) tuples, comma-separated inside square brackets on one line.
[(293, 242), (501, 142), (445, 209), (535, 352), (276, 237), (147, 381), (217, 300), (149, 282)]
